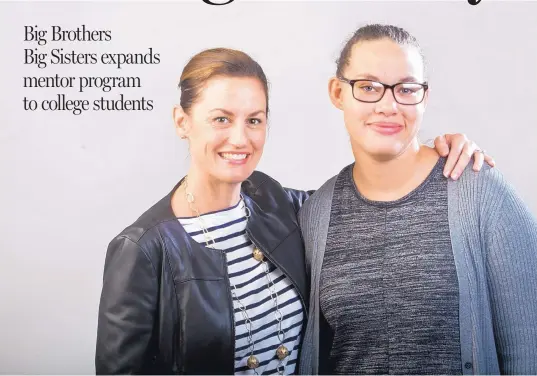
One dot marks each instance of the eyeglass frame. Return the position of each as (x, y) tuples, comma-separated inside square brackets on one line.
[(425, 86)]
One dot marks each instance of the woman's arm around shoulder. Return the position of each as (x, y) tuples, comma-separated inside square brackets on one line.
[(298, 197), (127, 308), (260, 182)]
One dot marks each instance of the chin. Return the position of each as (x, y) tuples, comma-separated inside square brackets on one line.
[(234, 176), (385, 152)]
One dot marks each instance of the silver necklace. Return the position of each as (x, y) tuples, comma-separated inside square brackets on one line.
[(281, 352)]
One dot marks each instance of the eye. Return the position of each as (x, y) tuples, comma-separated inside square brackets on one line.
[(409, 89), (255, 121), (369, 87), (366, 88), (221, 119)]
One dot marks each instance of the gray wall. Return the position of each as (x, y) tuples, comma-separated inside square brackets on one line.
[(69, 183)]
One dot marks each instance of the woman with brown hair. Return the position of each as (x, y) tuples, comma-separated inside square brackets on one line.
[(211, 279)]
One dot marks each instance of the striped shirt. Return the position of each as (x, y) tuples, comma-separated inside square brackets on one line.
[(249, 283)]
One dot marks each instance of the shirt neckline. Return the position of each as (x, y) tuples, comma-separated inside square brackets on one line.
[(432, 174)]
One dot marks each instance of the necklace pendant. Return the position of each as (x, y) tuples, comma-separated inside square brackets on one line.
[(189, 197), (252, 362), (258, 255), (282, 352)]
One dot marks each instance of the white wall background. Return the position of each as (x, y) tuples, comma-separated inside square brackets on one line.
[(68, 183)]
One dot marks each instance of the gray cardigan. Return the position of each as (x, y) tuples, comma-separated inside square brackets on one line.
[(494, 241)]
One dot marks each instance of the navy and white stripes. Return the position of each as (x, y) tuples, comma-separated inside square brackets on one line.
[(228, 229)]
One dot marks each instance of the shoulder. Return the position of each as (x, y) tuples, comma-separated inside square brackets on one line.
[(321, 200), (487, 186), (143, 230), (487, 194), (316, 210), (260, 181), (321, 195), (264, 190), (490, 176)]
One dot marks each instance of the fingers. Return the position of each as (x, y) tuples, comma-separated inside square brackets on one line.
[(441, 146), (479, 157), (460, 154), (490, 161), (458, 143), (464, 158)]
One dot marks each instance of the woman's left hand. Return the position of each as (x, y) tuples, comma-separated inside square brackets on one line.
[(459, 150)]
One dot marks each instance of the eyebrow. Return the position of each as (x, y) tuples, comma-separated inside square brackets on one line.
[(231, 113), (257, 113), (375, 78), (409, 79)]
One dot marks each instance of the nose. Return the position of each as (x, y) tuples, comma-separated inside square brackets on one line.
[(237, 135), (387, 104)]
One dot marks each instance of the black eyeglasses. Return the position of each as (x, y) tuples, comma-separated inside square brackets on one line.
[(368, 91)]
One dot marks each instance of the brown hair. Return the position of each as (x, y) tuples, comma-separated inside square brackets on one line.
[(375, 32), (216, 62)]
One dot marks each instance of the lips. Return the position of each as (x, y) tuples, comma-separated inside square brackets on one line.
[(386, 129), (234, 158)]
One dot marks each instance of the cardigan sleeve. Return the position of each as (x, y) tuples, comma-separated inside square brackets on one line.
[(512, 281)]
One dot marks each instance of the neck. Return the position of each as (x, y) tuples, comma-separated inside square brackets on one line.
[(390, 179), (209, 194)]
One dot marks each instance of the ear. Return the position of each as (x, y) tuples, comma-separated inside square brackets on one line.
[(180, 120), (335, 92)]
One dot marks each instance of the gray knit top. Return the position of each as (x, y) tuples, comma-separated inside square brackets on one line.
[(388, 288), (494, 244)]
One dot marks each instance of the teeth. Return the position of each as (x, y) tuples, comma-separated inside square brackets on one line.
[(233, 156)]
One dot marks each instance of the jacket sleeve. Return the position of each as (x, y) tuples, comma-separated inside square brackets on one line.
[(512, 280), (126, 310), (298, 197)]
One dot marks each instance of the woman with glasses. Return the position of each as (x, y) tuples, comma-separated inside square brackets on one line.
[(412, 273)]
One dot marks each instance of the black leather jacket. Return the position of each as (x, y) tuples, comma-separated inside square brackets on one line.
[(166, 305)]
